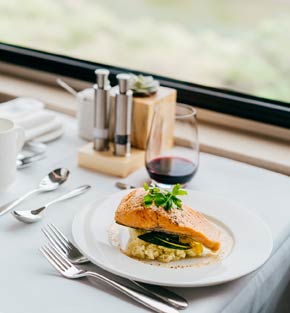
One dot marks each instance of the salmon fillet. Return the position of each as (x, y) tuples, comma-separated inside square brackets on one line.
[(132, 213)]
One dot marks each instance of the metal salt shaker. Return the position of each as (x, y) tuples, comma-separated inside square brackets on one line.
[(123, 116), (101, 110)]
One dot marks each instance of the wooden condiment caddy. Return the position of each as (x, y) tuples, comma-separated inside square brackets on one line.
[(106, 162), (143, 110)]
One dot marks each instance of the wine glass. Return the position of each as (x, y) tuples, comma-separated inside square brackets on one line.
[(172, 161)]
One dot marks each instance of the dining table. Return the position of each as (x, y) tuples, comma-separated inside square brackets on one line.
[(28, 283)]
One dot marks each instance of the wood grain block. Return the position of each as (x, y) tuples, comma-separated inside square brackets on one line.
[(106, 162), (143, 110), (142, 114)]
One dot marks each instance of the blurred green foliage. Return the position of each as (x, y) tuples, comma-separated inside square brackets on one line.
[(239, 45)]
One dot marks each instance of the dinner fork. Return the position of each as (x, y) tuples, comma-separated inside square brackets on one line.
[(69, 250), (68, 270)]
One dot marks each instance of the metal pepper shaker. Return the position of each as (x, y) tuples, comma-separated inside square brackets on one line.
[(101, 110), (123, 116)]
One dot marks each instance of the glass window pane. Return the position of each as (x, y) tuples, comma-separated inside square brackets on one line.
[(238, 45)]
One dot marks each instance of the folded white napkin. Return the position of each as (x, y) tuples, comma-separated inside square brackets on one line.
[(38, 123), (35, 119), (20, 107)]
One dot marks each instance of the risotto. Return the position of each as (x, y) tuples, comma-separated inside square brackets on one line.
[(142, 250)]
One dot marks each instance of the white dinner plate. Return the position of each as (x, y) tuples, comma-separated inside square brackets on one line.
[(247, 244)]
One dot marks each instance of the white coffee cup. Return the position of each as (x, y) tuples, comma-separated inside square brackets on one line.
[(11, 141)]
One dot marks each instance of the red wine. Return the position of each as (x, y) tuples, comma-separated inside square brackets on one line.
[(171, 170)]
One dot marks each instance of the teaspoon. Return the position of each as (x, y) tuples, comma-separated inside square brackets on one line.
[(27, 161), (31, 148), (50, 182), (32, 216)]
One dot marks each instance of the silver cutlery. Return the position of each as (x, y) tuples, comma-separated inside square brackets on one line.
[(70, 251), (27, 161), (59, 240), (68, 270), (32, 148), (124, 186), (67, 87), (32, 216), (49, 183), (31, 152)]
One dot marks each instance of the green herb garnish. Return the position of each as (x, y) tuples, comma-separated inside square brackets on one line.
[(165, 199)]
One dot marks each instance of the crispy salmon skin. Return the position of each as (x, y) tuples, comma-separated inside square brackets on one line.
[(186, 222)]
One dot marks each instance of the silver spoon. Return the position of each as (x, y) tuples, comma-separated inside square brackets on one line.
[(122, 185), (31, 152), (67, 87), (32, 216), (30, 149), (29, 160), (50, 182)]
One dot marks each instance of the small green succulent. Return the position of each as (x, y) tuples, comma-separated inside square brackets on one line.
[(143, 86)]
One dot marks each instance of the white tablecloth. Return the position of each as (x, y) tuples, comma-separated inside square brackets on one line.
[(29, 284)]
